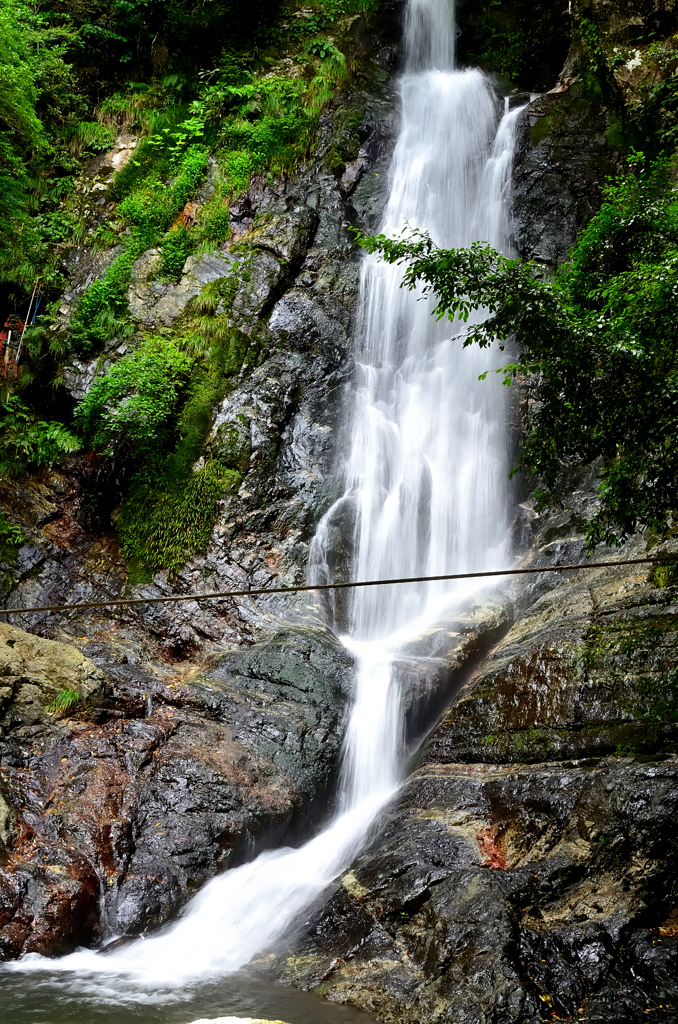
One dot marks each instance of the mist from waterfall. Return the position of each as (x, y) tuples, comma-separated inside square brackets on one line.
[(425, 492)]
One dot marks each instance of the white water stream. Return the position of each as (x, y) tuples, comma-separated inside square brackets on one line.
[(426, 490)]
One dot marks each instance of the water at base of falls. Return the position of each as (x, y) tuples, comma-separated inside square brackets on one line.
[(425, 490), (49, 999)]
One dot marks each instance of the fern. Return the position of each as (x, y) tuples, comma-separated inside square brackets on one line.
[(26, 441)]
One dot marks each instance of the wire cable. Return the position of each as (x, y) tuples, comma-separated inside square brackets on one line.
[(259, 592)]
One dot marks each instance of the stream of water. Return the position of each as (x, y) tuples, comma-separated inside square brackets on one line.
[(426, 492)]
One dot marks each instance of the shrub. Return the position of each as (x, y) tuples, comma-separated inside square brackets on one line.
[(175, 248), (11, 538), (164, 522), (64, 701), (135, 402)]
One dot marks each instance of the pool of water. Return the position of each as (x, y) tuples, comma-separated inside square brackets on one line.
[(52, 998)]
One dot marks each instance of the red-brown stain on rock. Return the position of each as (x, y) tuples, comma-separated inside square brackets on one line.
[(493, 855)]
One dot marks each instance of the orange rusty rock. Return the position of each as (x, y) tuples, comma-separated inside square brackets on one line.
[(494, 857)]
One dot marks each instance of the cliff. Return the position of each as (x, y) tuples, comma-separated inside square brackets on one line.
[(528, 868)]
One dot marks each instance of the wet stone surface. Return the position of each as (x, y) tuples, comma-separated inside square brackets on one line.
[(508, 893), (528, 870), (113, 813)]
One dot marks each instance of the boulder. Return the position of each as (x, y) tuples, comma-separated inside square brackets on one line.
[(34, 673), (287, 235), (113, 812), (498, 893)]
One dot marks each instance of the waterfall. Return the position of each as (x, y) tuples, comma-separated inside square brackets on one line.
[(425, 486)]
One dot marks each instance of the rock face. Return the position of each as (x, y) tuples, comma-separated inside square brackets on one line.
[(509, 893), (159, 304), (528, 869), (114, 810), (291, 288), (563, 158)]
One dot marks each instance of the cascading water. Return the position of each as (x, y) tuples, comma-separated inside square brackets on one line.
[(425, 489)]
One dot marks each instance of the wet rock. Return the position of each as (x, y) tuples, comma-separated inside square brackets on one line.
[(259, 280), (115, 811), (287, 235), (7, 823), (588, 669), (120, 153), (562, 160), (33, 673), (505, 894), (85, 266)]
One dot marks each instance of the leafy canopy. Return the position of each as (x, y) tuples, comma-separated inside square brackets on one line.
[(597, 345)]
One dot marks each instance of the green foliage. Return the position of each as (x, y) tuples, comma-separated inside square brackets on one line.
[(597, 345), (215, 222), (525, 40), (102, 311), (132, 406), (90, 137), (154, 409), (137, 38), (660, 698), (152, 204), (665, 575), (64, 701), (163, 523), (11, 538), (264, 124), (653, 113), (28, 442), (38, 109), (149, 205), (19, 73), (175, 248)]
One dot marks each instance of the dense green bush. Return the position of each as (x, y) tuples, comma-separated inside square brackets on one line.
[(39, 112), (28, 442), (598, 346), (154, 409), (137, 38), (176, 248), (11, 538), (134, 403), (164, 521)]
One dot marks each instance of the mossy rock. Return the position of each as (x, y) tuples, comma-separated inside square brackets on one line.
[(232, 444)]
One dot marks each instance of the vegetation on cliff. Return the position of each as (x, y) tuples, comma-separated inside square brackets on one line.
[(226, 89), (219, 90), (190, 78)]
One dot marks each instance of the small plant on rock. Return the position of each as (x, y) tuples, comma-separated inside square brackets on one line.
[(64, 701)]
